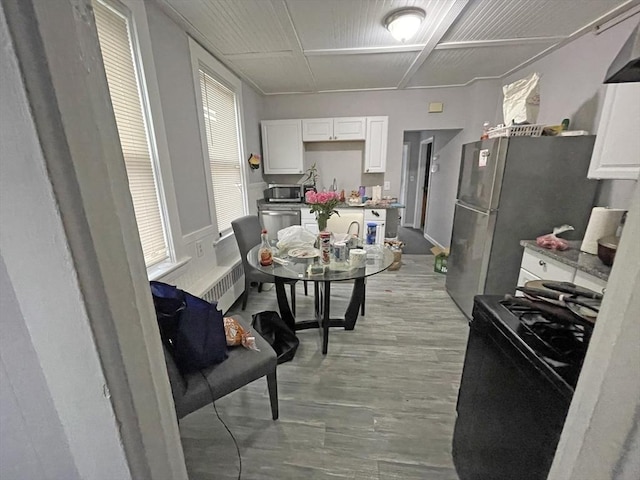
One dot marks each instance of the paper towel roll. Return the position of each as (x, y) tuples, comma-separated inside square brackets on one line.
[(602, 223), (357, 258)]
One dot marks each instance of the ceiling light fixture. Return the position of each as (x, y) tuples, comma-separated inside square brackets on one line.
[(404, 23)]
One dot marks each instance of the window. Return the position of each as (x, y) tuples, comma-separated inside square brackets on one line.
[(133, 123), (221, 128)]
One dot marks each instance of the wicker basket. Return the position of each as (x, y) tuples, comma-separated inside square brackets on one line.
[(516, 131)]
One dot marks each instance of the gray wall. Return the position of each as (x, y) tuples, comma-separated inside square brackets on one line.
[(465, 108), (177, 95), (33, 442), (441, 155), (571, 87)]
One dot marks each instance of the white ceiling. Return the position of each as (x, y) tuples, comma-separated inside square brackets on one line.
[(289, 46)]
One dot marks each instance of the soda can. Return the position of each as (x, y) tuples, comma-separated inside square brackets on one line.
[(325, 247), (340, 251)]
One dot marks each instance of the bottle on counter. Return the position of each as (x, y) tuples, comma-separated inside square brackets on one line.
[(485, 131), (265, 253), (342, 198)]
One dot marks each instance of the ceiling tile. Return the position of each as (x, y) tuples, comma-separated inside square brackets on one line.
[(329, 24), (233, 26), (276, 74), (461, 65), (501, 19), (337, 72)]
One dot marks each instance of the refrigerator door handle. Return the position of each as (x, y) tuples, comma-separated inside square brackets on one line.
[(474, 209)]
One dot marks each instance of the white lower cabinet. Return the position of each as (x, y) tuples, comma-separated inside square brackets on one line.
[(379, 217), (544, 267), (537, 266), (343, 222), (523, 278), (308, 220), (583, 279)]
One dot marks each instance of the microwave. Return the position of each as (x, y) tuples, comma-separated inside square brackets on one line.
[(278, 192)]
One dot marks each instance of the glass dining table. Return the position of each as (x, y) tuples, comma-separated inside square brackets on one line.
[(293, 268)]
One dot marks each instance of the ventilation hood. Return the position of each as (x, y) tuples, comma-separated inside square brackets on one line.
[(626, 66)]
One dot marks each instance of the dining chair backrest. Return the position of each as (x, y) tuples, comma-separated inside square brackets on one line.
[(247, 231)]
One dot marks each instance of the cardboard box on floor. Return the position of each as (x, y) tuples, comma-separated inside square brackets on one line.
[(440, 262)]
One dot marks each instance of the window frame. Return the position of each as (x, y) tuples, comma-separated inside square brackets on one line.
[(202, 59), (135, 14)]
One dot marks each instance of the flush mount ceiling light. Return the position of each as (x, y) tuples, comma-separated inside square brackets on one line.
[(404, 23)]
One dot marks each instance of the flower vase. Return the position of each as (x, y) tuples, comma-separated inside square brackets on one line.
[(322, 221)]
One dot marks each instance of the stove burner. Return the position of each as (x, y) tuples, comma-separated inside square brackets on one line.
[(560, 343)]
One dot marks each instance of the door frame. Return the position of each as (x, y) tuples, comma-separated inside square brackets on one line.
[(406, 155), (420, 177)]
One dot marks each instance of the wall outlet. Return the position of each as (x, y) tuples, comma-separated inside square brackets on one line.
[(387, 185), (199, 249)]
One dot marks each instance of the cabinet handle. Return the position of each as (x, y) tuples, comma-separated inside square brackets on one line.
[(542, 263)]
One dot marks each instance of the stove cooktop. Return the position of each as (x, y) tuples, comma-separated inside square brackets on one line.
[(554, 342)]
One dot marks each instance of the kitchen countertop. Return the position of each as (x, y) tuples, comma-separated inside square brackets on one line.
[(573, 257), (291, 205)]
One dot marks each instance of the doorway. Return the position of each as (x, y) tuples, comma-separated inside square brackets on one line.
[(422, 183)]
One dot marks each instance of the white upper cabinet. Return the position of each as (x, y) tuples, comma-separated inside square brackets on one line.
[(375, 155), (616, 153), (333, 129), (282, 146)]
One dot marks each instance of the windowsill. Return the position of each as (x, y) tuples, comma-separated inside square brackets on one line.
[(159, 270), (223, 238)]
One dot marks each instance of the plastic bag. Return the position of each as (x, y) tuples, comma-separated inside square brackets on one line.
[(295, 236), (237, 335), (521, 101), (551, 241), (277, 333)]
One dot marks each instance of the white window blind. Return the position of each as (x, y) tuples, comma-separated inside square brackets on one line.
[(114, 35), (223, 147)]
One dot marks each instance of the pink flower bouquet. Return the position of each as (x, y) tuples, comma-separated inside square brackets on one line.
[(323, 204)]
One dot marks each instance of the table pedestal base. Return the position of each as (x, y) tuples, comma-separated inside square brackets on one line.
[(322, 307)]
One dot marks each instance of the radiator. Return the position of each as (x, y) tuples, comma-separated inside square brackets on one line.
[(227, 289)]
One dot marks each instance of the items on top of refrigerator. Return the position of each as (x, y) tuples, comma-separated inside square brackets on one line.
[(521, 101)]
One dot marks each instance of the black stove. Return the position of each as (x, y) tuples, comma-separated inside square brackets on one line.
[(559, 341), (521, 366)]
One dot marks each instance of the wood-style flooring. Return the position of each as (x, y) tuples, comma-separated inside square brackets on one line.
[(379, 405)]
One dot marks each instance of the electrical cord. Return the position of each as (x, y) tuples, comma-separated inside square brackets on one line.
[(222, 421)]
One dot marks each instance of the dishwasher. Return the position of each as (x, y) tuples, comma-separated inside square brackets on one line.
[(275, 219)]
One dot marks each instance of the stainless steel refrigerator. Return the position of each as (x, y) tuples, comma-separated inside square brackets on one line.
[(513, 189)]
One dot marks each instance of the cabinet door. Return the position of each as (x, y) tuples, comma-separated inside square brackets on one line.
[(308, 220), (583, 279), (546, 268), (523, 278), (317, 129), (615, 153), (282, 146), (349, 128), (375, 155)]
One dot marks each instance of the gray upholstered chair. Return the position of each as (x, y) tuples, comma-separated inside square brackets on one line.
[(247, 231), (191, 392)]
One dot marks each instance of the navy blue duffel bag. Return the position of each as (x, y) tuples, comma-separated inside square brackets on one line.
[(191, 328)]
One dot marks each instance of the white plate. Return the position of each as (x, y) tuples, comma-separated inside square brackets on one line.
[(304, 252)]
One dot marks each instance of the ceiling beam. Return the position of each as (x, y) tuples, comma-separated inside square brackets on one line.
[(282, 11), (502, 42), (445, 23), (364, 50), (204, 42)]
